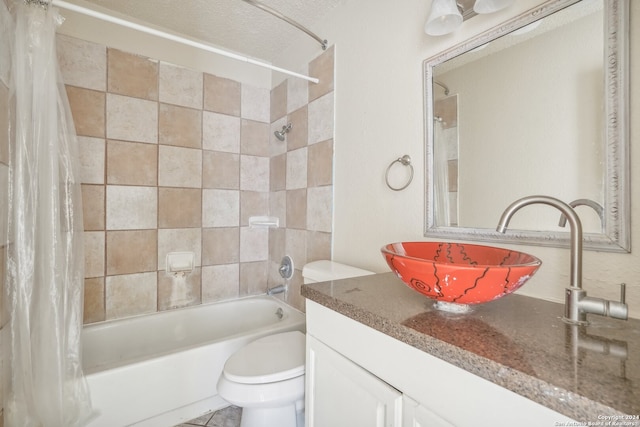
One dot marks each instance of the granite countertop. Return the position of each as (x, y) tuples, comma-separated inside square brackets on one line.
[(517, 342)]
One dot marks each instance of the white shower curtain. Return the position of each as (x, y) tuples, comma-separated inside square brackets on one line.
[(45, 262), (442, 209)]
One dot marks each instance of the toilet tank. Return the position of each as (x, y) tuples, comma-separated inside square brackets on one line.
[(325, 270)]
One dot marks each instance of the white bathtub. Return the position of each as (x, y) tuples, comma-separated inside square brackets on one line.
[(161, 369)]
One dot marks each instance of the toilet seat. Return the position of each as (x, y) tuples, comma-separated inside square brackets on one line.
[(269, 359)]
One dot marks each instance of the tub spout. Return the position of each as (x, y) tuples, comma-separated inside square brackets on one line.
[(277, 290)]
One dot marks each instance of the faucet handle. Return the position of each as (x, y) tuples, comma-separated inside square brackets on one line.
[(619, 310)]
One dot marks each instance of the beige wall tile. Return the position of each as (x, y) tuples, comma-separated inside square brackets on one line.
[(4, 204), (278, 206), (320, 208), (277, 147), (294, 297), (93, 300), (220, 170), (321, 119), (298, 135), (254, 173), (131, 294), (88, 111), (179, 240), (132, 163), (221, 95), (180, 86), (220, 132), (253, 278), (82, 63), (4, 124), (296, 169), (278, 101), (220, 208), (220, 282), (179, 208), (92, 160), (4, 318), (452, 170), (176, 293), (253, 203), (220, 246), (179, 167), (94, 254), (255, 104), (322, 68), (320, 164), (132, 119), (278, 173), (254, 244), (180, 126), (297, 208), (297, 91), (131, 208), (254, 138), (318, 245), (93, 211), (296, 244), (132, 251), (132, 75), (277, 246)]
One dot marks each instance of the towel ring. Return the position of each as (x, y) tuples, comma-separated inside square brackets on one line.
[(405, 161)]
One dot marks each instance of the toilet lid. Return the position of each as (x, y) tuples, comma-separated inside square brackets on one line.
[(269, 359)]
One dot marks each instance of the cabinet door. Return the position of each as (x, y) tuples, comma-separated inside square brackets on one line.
[(340, 393), (416, 415)]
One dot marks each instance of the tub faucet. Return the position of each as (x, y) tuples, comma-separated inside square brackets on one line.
[(576, 303), (277, 289), (286, 272)]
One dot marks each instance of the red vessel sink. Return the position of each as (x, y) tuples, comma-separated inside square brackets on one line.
[(460, 273)]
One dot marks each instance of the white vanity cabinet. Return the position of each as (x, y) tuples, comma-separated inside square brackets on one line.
[(417, 415), (358, 376), (342, 394)]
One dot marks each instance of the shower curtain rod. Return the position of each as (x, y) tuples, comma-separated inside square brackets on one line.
[(108, 18), (288, 20)]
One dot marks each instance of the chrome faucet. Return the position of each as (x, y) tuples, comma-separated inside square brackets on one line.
[(286, 272), (577, 303), (584, 202)]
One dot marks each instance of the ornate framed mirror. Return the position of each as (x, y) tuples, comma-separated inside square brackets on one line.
[(538, 105)]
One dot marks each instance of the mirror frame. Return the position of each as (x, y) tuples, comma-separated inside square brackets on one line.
[(616, 235)]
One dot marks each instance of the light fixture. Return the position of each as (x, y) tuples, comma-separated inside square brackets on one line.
[(447, 15), (443, 18)]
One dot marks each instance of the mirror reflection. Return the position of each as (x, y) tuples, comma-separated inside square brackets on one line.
[(524, 114)]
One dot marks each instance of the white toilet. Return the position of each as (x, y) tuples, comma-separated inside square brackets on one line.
[(266, 377)]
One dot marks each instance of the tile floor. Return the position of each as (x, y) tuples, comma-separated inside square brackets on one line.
[(227, 417)]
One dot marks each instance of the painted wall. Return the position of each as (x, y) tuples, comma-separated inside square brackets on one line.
[(553, 134), (380, 47)]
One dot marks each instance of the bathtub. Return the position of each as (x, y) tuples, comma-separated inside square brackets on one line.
[(162, 369)]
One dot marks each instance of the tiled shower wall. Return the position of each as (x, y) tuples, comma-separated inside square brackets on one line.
[(177, 160), (301, 181)]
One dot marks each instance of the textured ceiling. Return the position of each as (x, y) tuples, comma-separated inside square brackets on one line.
[(231, 24)]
